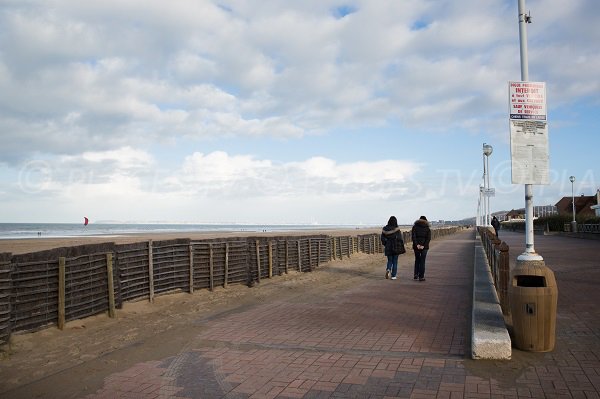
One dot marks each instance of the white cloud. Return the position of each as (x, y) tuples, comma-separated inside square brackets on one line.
[(126, 181), (219, 167), (103, 91), (220, 175), (202, 70)]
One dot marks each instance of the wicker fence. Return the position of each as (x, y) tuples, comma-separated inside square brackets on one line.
[(52, 287)]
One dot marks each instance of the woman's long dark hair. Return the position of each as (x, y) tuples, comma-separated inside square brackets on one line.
[(393, 222)]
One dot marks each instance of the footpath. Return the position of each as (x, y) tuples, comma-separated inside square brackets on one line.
[(376, 338)]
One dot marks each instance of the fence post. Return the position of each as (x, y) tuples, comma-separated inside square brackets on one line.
[(310, 254), (287, 254), (226, 264), (258, 261), (334, 248), (318, 252), (211, 269), (270, 259), (495, 254), (504, 277), (61, 292), (150, 272), (299, 257), (111, 285), (191, 254)]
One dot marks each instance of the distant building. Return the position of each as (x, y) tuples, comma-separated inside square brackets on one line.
[(501, 216), (515, 214), (596, 207), (583, 205), (539, 211)]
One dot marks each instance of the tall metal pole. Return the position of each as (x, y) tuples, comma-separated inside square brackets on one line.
[(574, 221), (484, 216), (529, 253), (478, 220), (573, 197), (487, 197), (487, 151)]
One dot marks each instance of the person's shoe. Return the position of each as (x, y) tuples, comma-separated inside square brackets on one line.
[(416, 277), (422, 279), (387, 274), (393, 278)]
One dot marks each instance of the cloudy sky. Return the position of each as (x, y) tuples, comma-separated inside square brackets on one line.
[(273, 111)]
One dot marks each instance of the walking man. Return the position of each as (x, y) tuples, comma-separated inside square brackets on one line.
[(421, 235)]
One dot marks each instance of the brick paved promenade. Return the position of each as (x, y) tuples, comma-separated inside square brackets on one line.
[(383, 338)]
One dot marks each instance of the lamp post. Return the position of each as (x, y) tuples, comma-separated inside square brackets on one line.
[(573, 222), (479, 206), (487, 151), (529, 255)]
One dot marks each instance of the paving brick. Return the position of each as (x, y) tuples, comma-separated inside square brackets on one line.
[(378, 340)]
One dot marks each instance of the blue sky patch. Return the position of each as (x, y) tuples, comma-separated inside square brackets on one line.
[(341, 11)]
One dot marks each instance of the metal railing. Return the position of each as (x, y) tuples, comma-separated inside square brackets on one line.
[(497, 253)]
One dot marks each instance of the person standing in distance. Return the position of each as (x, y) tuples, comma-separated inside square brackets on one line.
[(496, 225), (421, 235), (391, 239)]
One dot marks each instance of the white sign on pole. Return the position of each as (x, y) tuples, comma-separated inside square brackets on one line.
[(528, 133), (489, 192)]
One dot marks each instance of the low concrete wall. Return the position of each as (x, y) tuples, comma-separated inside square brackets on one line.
[(489, 336)]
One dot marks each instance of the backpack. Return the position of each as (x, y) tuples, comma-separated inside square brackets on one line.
[(398, 244)]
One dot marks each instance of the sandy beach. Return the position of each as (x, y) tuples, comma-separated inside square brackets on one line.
[(21, 246)]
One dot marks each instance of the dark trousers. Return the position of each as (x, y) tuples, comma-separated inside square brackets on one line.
[(420, 256)]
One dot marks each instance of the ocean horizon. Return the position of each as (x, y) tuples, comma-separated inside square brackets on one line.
[(108, 229)]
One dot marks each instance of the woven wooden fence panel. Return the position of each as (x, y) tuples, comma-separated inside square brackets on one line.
[(229, 256), (34, 301), (282, 247), (305, 255), (322, 249), (293, 254), (368, 243), (132, 265), (86, 286), (258, 259), (5, 294), (171, 265)]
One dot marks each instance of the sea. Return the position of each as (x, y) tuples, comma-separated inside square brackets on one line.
[(64, 230)]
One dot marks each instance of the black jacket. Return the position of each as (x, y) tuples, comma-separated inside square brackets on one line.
[(495, 223), (391, 239), (421, 234)]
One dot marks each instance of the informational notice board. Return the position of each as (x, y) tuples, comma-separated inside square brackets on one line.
[(528, 133)]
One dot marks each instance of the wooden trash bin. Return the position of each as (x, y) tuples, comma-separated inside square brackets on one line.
[(533, 301)]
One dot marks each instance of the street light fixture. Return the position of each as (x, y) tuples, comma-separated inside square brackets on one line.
[(487, 151), (573, 222)]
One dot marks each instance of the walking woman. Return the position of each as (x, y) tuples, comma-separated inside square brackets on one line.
[(391, 239), (421, 235)]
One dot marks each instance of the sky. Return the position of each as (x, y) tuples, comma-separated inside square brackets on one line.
[(272, 111)]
